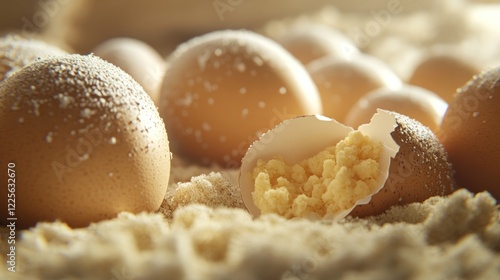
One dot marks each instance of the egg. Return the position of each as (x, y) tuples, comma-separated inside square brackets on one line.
[(420, 170), (223, 89), (86, 142), (17, 52), (314, 166), (341, 82), (415, 102), (308, 42), (470, 133), (443, 74), (138, 59)]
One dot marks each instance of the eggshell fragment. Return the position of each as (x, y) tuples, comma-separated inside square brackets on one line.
[(223, 89), (138, 59), (415, 102), (421, 169), (17, 52), (342, 82), (312, 134), (470, 132), (308, 42), (86, 141)]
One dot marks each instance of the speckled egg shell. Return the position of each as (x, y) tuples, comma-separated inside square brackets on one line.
[(17, 52), (420, 170), (86, 140), (470, 132)]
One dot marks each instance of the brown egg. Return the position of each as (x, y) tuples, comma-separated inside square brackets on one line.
[(420, 170), (85, 141), (443, 74), (17, 52), (308, 42), (342, 82), (412, 101), (223, 89), (470, 133), (138, 59)]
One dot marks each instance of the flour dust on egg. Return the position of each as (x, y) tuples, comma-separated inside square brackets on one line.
[(224, 89), (421, 169), (470, 132), (17, 52), (86, 140)]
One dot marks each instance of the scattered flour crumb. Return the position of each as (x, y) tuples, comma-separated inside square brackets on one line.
[(213, 190)]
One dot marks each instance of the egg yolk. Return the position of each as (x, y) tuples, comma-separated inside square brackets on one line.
[(329, 182)]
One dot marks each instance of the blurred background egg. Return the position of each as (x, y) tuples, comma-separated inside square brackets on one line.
[(470, 132), (341, 82), (443, 74), (308, 42), (17, 52), (223, 89), (138, 59), (415, 102), (86, 140)]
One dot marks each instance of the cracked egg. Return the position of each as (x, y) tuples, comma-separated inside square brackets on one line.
[(313, 166)]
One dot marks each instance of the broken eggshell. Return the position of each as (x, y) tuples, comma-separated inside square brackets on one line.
[(316, 132)]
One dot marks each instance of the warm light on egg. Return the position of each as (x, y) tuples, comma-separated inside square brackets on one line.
[(223, 89), (342, 82), (87, 140)]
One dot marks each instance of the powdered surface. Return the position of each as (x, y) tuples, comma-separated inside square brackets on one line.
[(444, 238)]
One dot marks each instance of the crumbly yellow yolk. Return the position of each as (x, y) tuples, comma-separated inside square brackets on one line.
[(329, 182)]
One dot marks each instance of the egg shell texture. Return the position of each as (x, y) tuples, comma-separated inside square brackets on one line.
[(470, 133), (86, 139), (420, 170), (17, 52)]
